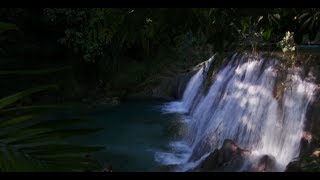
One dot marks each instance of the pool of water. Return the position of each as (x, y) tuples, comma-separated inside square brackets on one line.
[(133, 133)]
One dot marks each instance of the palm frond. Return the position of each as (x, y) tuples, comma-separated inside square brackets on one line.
[(14, 98), (31, 140), (5, 26), (35, 72)]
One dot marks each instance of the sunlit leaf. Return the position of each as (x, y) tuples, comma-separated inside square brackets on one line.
[(277, 16)]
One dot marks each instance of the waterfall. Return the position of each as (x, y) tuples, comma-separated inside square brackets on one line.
[(191, 91), (240, 105)]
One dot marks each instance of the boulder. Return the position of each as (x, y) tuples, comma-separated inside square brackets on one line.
[(230, 157), (293, 166), (316, 153), (211, 162), (309, 163), (264, 164)]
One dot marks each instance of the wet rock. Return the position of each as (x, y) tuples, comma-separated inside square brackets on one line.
[(230, 157), (245, 153), (171, 87), (279, 87), (309, 163), (175, 128), (203, 147), (179, 84), (311, 135), (266, 163), (316, 153), (211, 162), (166, 87), (229, 150), (293, 166)]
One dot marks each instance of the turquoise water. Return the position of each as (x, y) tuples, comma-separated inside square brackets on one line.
[(133, 132)]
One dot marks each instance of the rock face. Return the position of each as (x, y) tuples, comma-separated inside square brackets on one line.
[(309, 153), (293, 166), (179, 84), (172, 88), (230, 157), (311, 136), (175, 128), (168, 86), (265, 164), (310, 163)]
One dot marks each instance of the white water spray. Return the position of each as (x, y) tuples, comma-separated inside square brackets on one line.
[(240, 105)]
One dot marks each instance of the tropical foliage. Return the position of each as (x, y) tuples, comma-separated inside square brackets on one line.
[(31, 141), (116, 51)]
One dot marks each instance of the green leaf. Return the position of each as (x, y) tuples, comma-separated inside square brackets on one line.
[(18, 160), (60, 149), (306, 23), (267, 34), (16, 135), (5, 26), (312, 24), (13, 98), (58, 123), (15, 120), (35, 72), (3, 160), (303, 16), (42, 108), (54, 135), (41, 127), (14, 161)]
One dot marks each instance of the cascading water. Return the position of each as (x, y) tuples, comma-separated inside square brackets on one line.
[(240, 105), (191, 91)]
